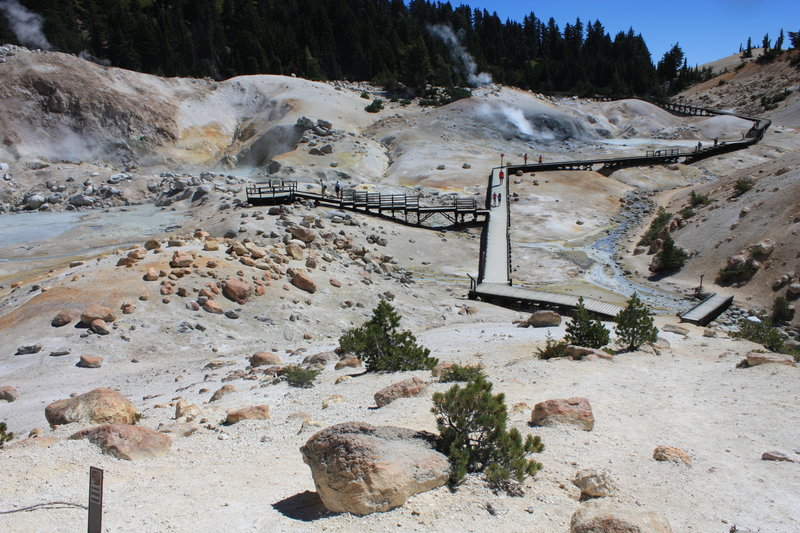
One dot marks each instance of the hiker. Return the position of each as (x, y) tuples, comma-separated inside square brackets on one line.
[(502, 175), (499, 198), (716, 141), (540, 159), (494, 199), (699, 146), (337, 189), (324, 188), (525, 159)]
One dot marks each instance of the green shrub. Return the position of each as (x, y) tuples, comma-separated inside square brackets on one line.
[(552, 348), (687, 212), (382, 348), (634, 324), (736, 274), (743, 185), (375, 106), (782, 312), (5, 435), (761, 332), (462, 373), (670, 258), (298, 376), (365, 95), (658, 225), (473, 435), (696, 199), (405, 101), (584, 330)]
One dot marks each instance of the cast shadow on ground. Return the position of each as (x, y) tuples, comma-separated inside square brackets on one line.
[(305, 506)]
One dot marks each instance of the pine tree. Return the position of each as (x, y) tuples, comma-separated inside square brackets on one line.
[(670, 258), (584, 330), (634, 325), (382, 347), (473, 435)]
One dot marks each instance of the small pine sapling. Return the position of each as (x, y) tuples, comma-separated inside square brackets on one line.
[(462, 373), (584, 330), (5, 435), (382, 347), (473, 435), (634, 324)]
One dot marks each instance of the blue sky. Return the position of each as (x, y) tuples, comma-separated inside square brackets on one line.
[(705, 29)]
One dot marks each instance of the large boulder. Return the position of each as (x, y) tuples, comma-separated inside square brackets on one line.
[(571, 411), (8, 393), (237, 290), (403, 389), (126, 442), (544, 319), (758, 358), (104, 405), (361, 469), (62, 319), (598, 517)]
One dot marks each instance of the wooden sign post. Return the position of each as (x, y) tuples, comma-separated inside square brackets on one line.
[(95, 500)]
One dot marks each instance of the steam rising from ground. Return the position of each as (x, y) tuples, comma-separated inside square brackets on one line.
[(25, 24), (460, 55), (533, 124), (517, 118)]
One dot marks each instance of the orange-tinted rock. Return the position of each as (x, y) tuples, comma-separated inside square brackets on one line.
[(62, 319), (97, 311), (101, 405), (99, 326), (181, 259), (264, 358), (126, 442), (303, 281), (670, 453), (212, 307), (90, 361), (404, 389), (237, 290), (571, 411), (151, 275), (255, 412)]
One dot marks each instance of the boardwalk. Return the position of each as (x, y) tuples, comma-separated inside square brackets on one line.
[(402, 208), (707, 310)]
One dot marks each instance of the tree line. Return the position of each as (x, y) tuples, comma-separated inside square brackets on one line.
[(384, 41)]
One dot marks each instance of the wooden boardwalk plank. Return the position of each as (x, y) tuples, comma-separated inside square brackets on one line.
[(544, 298), (707, 310)]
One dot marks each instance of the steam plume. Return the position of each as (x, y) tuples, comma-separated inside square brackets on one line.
[(460, 55), (25, 24)]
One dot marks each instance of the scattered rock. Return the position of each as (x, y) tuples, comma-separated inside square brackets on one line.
[(583, 352), (97, 311), (99, 326), (670, 453), (348, 362), (759, 358), (264, 358), (674, 328), (255, 412), (597, 517), (571, 411), (403, 389), (29, 349), (361, 469), (776, 456), (594, 484), (212, 307), (62, 319), (126, 442), (544, 319), (90, 361), (101, 405), (303, 281), (181, 260), (8, 394), (183, 429), (237, 290), (222, 391)]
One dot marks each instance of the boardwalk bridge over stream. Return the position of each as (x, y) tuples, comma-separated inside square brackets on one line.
[(494, 283)]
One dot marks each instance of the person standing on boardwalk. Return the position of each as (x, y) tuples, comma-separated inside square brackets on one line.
[(525, 159), (337, 189), (499, 198), (324, 188), (540, 159), (502, 175), (494, 199)]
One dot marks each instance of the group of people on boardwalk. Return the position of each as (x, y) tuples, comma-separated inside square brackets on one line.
[(525, 158), (497, 197), (337, 188)]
